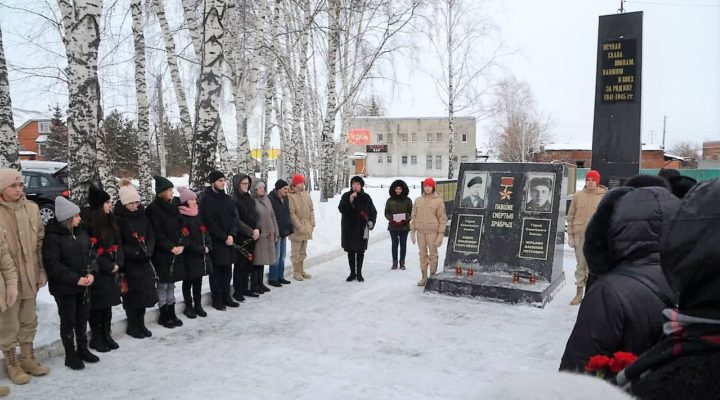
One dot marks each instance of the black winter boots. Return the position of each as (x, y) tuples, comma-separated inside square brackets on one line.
[(72, 359)]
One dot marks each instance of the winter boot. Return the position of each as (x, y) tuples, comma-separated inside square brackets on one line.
[(578, 296), (237, 295), (4, 391), (164, 318), (28, 362), (14, 371), (107, 329), (275, 283), (259, 276), (97, 338), (284, 281), (360, 258), (133, 325), (351, 263), (229, 302), (423, 281), (82, 349), (298, 276), (217, 303), (199, 309), (395, 265), (402, 264), (172, 317), (189, 310), (140, 315), (72, 359)]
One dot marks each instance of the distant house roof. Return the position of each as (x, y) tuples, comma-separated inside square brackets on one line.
[(27, 153), (28, 122)]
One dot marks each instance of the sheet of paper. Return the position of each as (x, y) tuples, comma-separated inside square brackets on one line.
[(399, 217)]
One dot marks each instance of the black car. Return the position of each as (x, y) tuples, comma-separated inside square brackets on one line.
[(43, 186)]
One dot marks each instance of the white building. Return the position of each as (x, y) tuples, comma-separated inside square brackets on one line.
[(388, 147)]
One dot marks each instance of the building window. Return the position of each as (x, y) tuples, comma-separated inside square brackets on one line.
[(463, 137), (389, 137), (380, 159), (403, 137), (439, 137), (44, 127), (389, 159), (380, 137), (413, 160), (438, 162), (463, 159), (428, 162), (414, 137), (404, 160), (429, 137)]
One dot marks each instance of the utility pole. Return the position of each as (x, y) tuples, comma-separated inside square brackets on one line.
[(664, 128)]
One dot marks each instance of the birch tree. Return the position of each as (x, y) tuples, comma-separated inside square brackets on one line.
[(270, 77), (80, 19), (9, 148), (461, 38), (205, 138), (328, 132), (185, 121), (143, 105)]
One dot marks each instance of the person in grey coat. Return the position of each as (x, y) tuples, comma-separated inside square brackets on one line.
[(269, 234)]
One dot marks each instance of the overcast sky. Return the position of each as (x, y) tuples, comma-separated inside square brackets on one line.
[(556, 44)]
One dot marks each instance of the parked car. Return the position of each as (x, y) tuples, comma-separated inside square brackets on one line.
[(42, 186)]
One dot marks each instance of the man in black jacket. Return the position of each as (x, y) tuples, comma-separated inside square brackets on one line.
[(218, 213), (279, 200), (621, 311)]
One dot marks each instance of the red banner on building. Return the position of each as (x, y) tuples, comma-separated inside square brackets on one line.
[(359, 136)]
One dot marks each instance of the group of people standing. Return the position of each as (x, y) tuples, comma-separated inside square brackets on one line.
[(648, 268), (104, 255)]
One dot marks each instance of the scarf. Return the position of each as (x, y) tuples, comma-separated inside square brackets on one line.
[(685, 335), (190, 212)]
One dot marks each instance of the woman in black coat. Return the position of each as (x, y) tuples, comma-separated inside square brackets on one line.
[(398, 210), (138, 243), (71, 271), (196, 255), (99, 222), (622, 309), (686, 363), (248, 233), (170, 241), (358, 219)]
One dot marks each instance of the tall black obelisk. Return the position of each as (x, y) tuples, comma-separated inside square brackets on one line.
[(616, 128)]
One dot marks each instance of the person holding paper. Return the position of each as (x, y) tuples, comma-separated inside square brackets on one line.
[(398, 209)]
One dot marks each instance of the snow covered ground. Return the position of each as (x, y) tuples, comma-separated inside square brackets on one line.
[(328, 339)]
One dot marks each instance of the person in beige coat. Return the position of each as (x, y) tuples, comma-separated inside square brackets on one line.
[(24, 233), (427, 228), (8, 284), (302, 217), (582, 207)]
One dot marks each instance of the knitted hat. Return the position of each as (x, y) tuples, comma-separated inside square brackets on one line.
[(214, 176), (280, 184), (475, 181), (639, 181), (681, 185), (186, 194), (8, 177), (65, 209), (162, 184), (257, 184), (429, 182), (97, 197), (593, 175), (297, 179), (127, 193), (358, 180)]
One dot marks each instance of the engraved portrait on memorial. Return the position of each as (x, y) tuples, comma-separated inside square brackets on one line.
[(539, 192), (474, 190)]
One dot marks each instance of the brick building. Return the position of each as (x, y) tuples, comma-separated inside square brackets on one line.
[(652, 156), (711, 150), (32, 135)]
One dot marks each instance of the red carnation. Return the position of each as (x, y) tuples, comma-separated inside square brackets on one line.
[(185, 231), (203, 229), (250, 257), (142, 239), (363, 214), (100, 251), (113, 248), (135, 235), (596, 363), (93, 241), (621, 360)]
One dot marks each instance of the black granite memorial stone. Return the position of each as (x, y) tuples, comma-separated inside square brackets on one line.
[(504, 228)]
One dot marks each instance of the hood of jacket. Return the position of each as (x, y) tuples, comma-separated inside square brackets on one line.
[(403, 185), (236, 183), (628, 228), (690, 254)]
